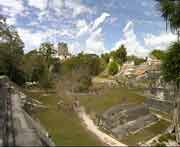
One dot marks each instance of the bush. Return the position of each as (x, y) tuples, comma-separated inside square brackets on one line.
[(84, 84), (113, 68)]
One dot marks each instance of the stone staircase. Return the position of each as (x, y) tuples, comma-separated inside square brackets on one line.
[(122, 120)]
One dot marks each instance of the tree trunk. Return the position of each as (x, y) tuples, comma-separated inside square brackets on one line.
[(176, 115), (178, 35)]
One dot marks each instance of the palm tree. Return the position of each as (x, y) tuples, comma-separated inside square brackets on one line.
[(170, 11)]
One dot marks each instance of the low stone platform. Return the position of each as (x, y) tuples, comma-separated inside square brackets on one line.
[(134, 126), (124, 119), (160, 105)]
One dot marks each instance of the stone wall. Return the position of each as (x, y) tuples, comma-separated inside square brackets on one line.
[(125, 119), (160, 105), (26, 131)]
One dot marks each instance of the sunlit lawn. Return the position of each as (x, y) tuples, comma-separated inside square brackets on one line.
[(109, 98), (147, 133), (64, 127)]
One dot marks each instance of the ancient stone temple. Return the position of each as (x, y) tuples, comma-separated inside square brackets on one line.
[(63, 51)]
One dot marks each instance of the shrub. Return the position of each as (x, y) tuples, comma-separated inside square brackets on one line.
[(113, 68)]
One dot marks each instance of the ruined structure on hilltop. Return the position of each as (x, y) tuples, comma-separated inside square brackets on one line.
[(129, 69), (63, 52)]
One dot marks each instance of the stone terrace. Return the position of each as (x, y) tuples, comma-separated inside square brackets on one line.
[(124, 119)]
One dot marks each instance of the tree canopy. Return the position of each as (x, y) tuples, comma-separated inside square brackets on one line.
[(11, 52), (119, 55), (170, 11), (171, 64), (159, 54)]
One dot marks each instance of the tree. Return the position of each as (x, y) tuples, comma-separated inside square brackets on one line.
[(171, 73), (34, 65), (159, 54), (170, 11), (120, 55), (113, 68), (105, 57), (47, 50), (11, 53), (76, 80), (137, 60), (89, 61)]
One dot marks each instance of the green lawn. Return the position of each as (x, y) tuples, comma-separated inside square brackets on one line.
[(147, 133), (64, 127), (110, 97)]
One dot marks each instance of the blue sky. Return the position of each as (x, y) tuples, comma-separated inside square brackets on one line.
[(92, 26)]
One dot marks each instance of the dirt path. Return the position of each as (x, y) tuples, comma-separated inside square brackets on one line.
[(94, 129)]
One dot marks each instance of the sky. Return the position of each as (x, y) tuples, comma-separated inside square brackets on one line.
[(91, 26)]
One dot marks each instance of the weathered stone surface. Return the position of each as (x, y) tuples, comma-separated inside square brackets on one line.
[(24, 129), (133, 126), (122, 120), (160, 105)]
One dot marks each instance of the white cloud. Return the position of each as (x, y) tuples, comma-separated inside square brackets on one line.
[(100, 20), (77, 7), (75, 47), (130, 41), (95, 42), (82, 27), (160, 41), (11, 20), (151, 41), (31, 40), (58, 4), (92, 26), (113, 20), (40, 4), (11, 7), (34, 39)]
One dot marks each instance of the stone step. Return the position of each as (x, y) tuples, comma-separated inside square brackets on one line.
[(126, 115), (133, 126), (111, 112)]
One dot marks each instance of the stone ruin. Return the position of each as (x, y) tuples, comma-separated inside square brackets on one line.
[(160, 105), (124, 119), (17, 127)]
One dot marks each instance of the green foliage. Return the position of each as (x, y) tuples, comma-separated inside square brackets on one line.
[(171, 64), (105, 57), (47, 50), (159, 54), (136, 59), (11, 53), (86, 61), (113, 68), (84, 83), (166, 137), (40, 68), (79, 70), (119, 55), (170, 10)]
